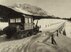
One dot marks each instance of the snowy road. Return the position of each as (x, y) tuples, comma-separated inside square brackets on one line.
[(30, 44), (36, 43)]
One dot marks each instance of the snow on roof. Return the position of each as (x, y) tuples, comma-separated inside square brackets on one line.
[(22, 11)]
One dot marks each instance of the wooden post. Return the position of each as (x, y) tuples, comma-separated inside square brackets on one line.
[(64, 33), (52, 39), (57, 32)]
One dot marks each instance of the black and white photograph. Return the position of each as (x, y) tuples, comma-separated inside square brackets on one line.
[(35, 25)]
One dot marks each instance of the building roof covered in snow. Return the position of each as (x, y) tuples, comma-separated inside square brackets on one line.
[(29, 9)]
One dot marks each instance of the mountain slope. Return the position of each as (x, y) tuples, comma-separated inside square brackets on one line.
[(31, 9)]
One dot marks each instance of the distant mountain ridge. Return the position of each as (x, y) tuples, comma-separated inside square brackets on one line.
[(29, 8)]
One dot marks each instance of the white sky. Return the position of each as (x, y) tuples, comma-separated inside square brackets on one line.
[(61, 8)]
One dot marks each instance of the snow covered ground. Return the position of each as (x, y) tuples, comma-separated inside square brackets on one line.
[(36, 43), (52, 23), (3, 25), (33, 44)]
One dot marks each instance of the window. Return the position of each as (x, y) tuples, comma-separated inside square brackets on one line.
[(18, 20), (26, 20), (29, 20), (12, 20), (15, 20)]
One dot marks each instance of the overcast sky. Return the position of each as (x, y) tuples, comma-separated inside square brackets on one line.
[(61, 8)]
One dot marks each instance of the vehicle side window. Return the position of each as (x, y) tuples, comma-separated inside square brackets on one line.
[(29, 20), (12, 20), (15, 20), (18, 20), (26, 20)]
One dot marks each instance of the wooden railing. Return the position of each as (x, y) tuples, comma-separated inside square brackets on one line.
[(58, 30)]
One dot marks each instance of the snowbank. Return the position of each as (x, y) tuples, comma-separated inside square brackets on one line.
[(34, 44)]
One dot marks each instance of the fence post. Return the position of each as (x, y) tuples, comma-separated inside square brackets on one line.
[(52, 39)]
